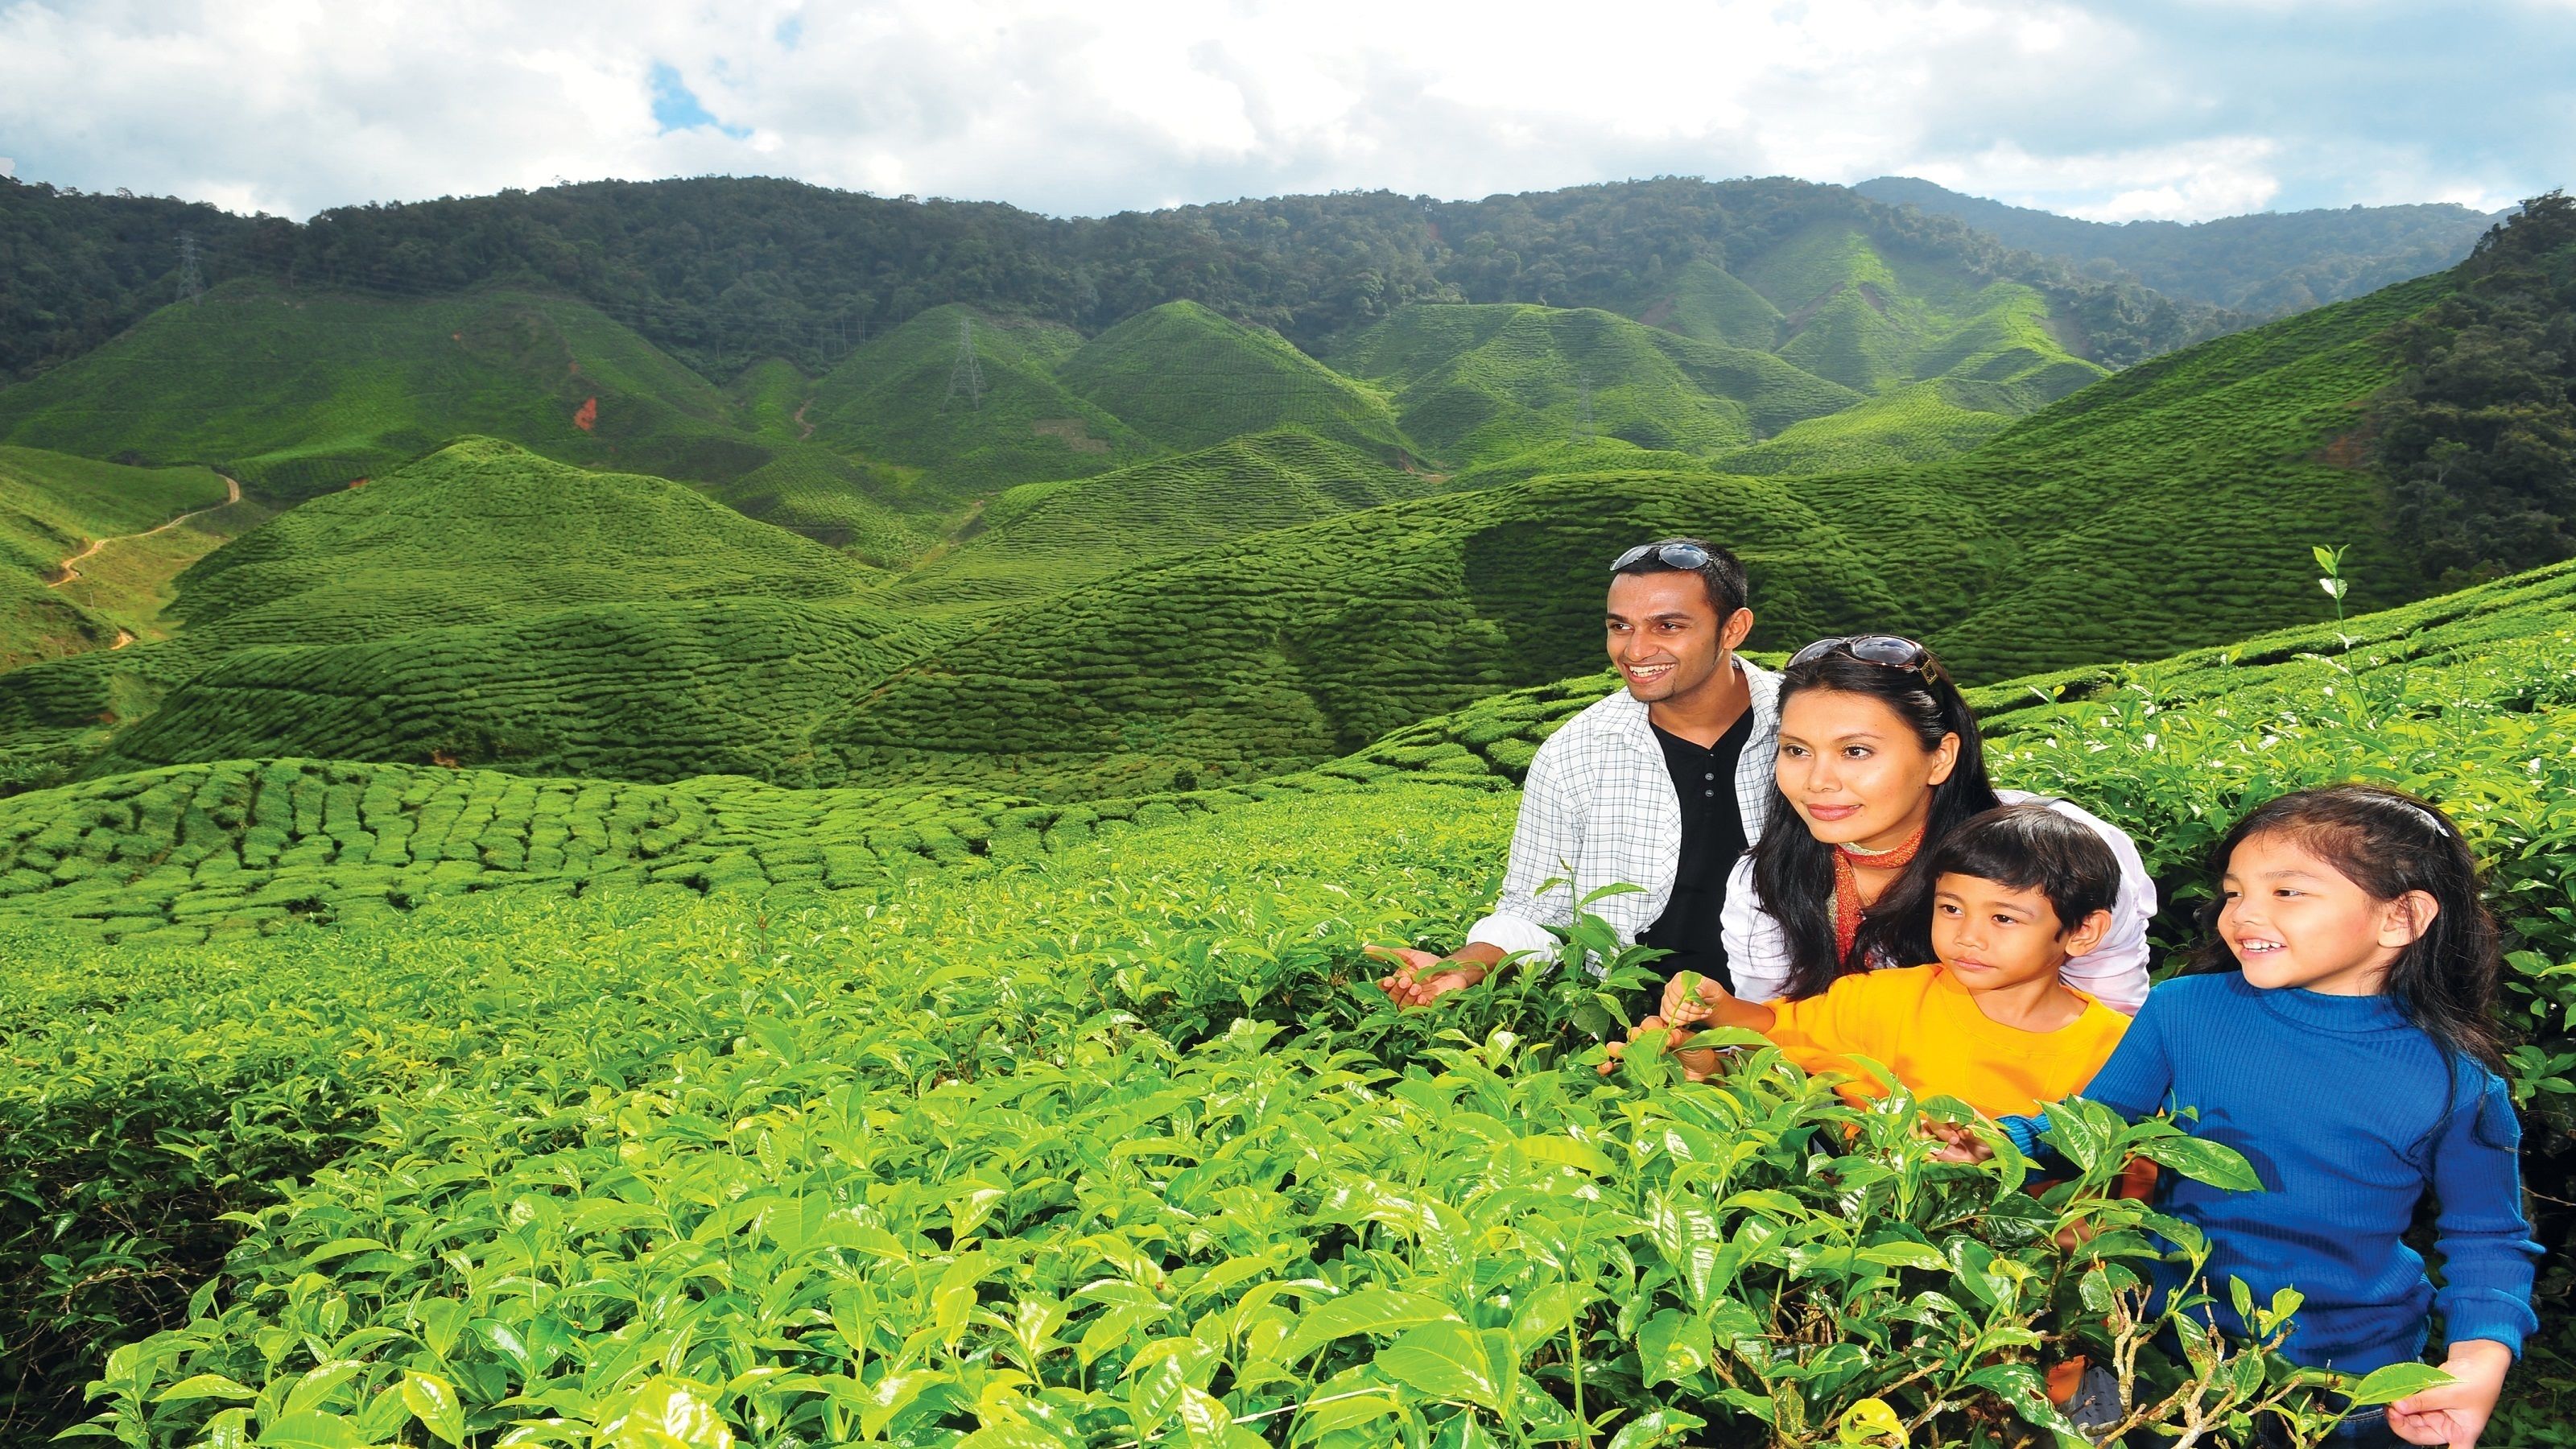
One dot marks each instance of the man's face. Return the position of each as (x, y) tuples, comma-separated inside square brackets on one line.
[(1664, 634)]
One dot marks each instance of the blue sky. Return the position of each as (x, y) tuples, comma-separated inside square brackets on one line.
[(2112, 111)]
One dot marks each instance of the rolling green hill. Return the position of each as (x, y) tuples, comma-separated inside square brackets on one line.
[(1874, 319), (1042, 538), (87, 549), (1187, 378), (1477, 382), (2174, 504), (898, 399), (297, 392), (481, 536)]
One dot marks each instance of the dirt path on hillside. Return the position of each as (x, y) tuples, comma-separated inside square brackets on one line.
[(800, 419), (232, 495)]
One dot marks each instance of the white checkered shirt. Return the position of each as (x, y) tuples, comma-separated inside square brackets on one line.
[(1598, 809)]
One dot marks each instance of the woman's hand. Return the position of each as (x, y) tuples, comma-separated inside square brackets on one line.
[(2456, 1413), (1688, 999), (1420, 978), (1698, 1064)]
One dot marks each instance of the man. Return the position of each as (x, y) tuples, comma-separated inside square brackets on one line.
[(1661, 785)]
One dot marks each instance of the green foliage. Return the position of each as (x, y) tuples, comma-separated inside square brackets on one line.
[(2269, 264), (1188, 378), (2479, 433)]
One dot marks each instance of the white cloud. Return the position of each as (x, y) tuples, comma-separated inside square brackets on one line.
[(294, 105)]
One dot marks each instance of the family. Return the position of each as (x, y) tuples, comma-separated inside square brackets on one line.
[(1823, 857)]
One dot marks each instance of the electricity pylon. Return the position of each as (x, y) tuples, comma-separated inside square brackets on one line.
[(192, 286), (966, 376)]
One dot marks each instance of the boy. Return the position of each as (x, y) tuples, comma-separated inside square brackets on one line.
[(2000, 904)]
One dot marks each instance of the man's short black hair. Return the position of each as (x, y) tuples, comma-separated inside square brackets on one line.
[(2031, 847), (1723, 574)]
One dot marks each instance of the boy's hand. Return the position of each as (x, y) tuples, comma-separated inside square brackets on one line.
[(1420, 978), (1959, 1142), (2455, 1413)]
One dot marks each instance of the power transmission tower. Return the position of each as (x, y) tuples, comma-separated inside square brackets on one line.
[(192, 286), (1583, 432), (966, 376)]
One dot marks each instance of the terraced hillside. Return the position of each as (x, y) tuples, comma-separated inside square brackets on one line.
[(1188, 378), (248, 846), (900, 398), (477, 562), (1475, 383), (87, 550), (2174, 504), (1043, 538)]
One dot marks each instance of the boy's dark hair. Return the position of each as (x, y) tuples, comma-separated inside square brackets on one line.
[(1722, 575), (2390, 843), (2022, 847), (1794, 872)]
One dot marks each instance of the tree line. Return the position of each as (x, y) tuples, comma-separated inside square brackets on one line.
[(718, 269)]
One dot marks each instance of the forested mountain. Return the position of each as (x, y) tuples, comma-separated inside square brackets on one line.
[(721, 272), (2268, 263)]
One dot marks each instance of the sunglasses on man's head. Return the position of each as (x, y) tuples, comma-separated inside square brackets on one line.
[(1883, 649), (1674, 555)]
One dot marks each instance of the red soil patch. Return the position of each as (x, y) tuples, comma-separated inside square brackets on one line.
[(357, 483), (588, 417)]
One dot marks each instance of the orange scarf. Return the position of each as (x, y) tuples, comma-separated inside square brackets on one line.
[(1848, 864)]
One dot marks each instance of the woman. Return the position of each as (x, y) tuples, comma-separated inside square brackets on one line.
[(1878, 757)]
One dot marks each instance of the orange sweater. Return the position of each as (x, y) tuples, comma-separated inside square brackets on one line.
[(1921, 1024)]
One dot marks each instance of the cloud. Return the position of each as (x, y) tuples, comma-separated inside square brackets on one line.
[(2106, 110)]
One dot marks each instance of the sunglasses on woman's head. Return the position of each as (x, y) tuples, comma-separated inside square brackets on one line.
[(1883, 649), (1674, 555)]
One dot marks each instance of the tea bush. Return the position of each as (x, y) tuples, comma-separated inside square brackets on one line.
[(1112, 1150)]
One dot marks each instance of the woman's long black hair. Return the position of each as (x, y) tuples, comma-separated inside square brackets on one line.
[(2390, 843), (1793, 870)]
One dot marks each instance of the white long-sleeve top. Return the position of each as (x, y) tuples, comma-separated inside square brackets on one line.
[(2113, 973), (1598, 809)]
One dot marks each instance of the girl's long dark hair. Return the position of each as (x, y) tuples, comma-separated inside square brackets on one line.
[(1793, 870), (2390, 843)]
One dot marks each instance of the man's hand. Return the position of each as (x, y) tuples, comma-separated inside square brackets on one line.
[(1420, 978), (2456, 1413)]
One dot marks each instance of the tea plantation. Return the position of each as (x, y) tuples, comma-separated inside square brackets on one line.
[(731, 1114)]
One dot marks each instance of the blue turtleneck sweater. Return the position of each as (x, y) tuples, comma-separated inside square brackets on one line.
[(2350, 1115)]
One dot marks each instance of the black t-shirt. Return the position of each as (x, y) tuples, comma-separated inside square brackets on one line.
[(1712, 840)]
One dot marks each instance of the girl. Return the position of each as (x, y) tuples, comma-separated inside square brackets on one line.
[(2337, 1034), (1879, 758)]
